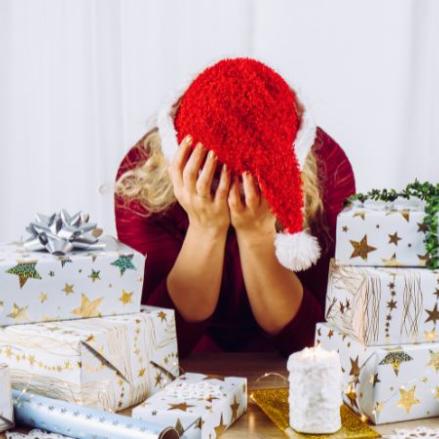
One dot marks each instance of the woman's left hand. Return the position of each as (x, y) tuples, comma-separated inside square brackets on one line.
[(250, 214)]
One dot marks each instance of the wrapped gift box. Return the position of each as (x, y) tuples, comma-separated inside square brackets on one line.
[(39, 286), (200, 406), (380, 305), (110, 362), (6, 407), (387, 384), (382, 234)]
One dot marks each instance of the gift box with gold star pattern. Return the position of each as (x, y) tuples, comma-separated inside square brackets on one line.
[(38, 286), (109, 362), (383, 305), (382, 234), (387, 384), (199, 406), (6, 407)]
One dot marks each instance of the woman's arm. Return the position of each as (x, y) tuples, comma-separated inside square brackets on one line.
[(195, 279), (275, 293)]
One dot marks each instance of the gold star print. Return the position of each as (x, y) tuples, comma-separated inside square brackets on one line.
[(199, 423), (31, 359), (330, 333), (345, 228), (234, 407), (379, 406), (407, 398), (95, 275), (352, 396), (395, 359), (142, 372), (43, 297), (405, 214), (162, 316), (88, 308), (68, 289), (374, 379), (391, 262), (219, 429), (436, 392), (423, 259), (355, 369), (210, 398), (179, 427), (430, 335), (183, 406), (423, 228), (361, 248), (158, 379), (25, 271), (359, 213), (394, 238), (126, 297), (434, 360), (391, 304), (18, 314), (433, 315)]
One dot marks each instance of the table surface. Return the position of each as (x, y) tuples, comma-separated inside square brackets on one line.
[(254, 424)]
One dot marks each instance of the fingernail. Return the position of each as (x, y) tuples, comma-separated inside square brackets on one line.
[(188, 138), (211, 154)]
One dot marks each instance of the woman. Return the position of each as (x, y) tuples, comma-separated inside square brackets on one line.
[(206, 193)]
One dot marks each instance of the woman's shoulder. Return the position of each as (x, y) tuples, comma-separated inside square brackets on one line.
[(336, 176)]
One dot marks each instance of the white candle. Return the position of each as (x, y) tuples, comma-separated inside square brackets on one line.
[(315, 391)]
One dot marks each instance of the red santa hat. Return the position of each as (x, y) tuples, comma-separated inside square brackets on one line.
[(248, 115)]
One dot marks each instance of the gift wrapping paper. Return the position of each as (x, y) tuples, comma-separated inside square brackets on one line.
[(38, 286), (198, 406), (83, 422), (6, 409), (381, 305), (387, 384), (110, 362), (382, 234)]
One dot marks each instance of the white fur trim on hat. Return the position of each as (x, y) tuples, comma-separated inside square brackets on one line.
[(297, 251), (302, 144)]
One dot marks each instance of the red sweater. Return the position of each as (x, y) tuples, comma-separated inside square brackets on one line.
[(232, 327)]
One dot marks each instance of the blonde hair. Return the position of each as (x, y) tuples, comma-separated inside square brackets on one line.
[(149, 183)]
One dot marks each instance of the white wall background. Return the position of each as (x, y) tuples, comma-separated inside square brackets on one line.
[(79, 78)]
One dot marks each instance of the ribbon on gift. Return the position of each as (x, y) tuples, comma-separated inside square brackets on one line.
[(61, 233)]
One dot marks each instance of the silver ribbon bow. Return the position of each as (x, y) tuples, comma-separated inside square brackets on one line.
[(61, 233)]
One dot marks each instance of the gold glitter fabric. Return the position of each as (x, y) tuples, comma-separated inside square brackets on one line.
[(274, 403)]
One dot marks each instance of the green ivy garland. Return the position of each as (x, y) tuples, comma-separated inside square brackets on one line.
[(425, 191)]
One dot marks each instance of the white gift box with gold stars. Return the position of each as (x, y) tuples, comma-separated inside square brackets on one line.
[(382, 305), (199, 406), (38, 286), (6, 408), (110, 362), (382, 234), (386, 384)]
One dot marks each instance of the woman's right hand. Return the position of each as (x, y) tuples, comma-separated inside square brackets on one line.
[(192, 181)]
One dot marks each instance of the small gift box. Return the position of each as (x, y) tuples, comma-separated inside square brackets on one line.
[(383, 233), (381, 306), (387, 384), (6, 407), (199, 406), (110, 362), (39, 286)]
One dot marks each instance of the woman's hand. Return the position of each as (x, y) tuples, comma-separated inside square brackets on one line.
[(250, 216), (192, 181)]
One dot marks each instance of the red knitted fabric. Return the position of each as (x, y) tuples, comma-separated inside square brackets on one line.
[(246, 113)]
